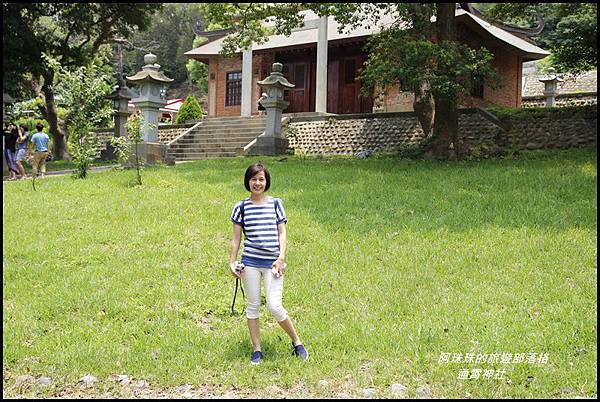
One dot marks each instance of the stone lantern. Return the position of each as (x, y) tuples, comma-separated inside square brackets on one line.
[(550, 87), (272, 142), (152, 95), (121, 97)]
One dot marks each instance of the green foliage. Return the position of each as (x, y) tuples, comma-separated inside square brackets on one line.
[(134, 126), (570, 112), (71, 32), (189, 110), (83, 151), (31, 122), (197, 71), (83, 93), (570, 31), (168, 36), (246, 21)]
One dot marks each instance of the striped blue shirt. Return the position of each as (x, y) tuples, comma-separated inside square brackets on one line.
[(261, 238)]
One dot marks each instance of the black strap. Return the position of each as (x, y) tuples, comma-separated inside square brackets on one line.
[(237, 281)]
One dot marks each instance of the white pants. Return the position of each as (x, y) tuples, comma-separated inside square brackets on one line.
[(273, 290)]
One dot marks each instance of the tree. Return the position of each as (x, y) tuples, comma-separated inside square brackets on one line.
[(570, 30), (169, 35), (72, 33), (439, 71), (83, 92), (190, 110), (197, 71)]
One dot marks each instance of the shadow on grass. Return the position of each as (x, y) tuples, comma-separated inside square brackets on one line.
[(548, 189)]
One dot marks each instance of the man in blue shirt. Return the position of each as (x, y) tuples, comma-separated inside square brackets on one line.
[(40, 143)]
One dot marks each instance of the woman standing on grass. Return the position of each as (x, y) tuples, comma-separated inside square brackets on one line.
[(22, 143), (262, 219)]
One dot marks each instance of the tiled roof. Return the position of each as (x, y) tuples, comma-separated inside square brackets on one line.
[(307, 36)]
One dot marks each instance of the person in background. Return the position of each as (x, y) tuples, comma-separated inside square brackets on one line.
[(40, 142), (11, 135), (22, 143), (261, 108)]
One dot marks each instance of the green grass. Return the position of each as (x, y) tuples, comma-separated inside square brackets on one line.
[(391, 263), (55, 166)]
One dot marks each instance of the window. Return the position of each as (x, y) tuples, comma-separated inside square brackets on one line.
[(233, 89), (477, 86)]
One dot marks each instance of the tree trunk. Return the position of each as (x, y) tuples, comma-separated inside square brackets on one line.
[(424, 108), (445, 133), (58, 134)]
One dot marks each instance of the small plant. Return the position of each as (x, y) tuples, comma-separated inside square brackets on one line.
[(190, 110), (123, 145), (83, 145)]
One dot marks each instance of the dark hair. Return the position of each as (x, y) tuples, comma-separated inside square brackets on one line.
[(24, 127), (39, 126), (253, 170)]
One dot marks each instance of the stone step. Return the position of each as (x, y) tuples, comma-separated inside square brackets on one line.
[(218, 137), (224, 133), (234, 123), (205, 155), (210, 145), (211, 148), (235, 119)]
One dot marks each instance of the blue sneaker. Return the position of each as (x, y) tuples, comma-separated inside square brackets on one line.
[(300, 351), (256, 357)]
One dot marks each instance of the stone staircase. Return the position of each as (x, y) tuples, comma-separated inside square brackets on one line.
[(217, 137)]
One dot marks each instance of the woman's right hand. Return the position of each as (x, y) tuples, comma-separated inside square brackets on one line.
[(232, 267)]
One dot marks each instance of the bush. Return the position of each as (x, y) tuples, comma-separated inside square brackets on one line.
[(570, 112), (31, 122), (190, 110)]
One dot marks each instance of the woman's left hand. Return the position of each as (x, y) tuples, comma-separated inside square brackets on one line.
[(278, 267)]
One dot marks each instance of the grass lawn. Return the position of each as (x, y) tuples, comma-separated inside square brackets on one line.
[(394, 266)]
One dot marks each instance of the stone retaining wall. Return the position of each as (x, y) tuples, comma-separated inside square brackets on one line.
[(394, 132), (168, 133), (103, 135), (582, 99), (549, 133)]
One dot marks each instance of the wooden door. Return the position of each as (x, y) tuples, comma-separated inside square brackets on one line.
[(333, 86), (349, 87), (298, 74), (350, 100)]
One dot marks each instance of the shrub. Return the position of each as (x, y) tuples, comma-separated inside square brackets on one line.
[(31, 122), (570, 112), (190, 110)]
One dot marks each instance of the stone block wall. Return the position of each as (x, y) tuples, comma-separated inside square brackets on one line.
[(565, 100), (103, 135), (549, 133), (348, 134), (394, 132), (168, 133)]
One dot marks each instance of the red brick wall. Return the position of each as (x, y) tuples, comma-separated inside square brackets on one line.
[(509, 66), (220, 66)]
